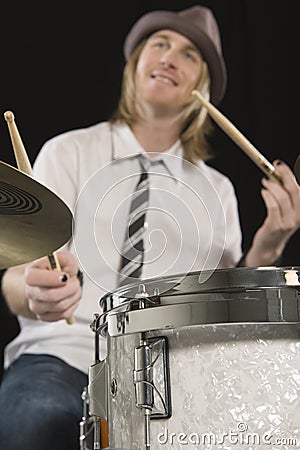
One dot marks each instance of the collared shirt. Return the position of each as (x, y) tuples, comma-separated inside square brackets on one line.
[(192, 224)]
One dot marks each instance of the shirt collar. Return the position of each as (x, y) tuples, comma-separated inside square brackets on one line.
[(125, 145)]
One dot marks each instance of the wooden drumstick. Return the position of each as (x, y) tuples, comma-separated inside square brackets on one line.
[(25, 166), (239, 139)]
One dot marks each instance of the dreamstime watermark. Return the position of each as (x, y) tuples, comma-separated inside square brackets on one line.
[(241, 437)]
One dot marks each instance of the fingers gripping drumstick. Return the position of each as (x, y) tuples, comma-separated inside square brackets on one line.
[(239, 139), (25, 166), (54, 265)]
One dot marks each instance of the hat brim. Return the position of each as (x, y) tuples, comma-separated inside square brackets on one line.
[(158, 20)]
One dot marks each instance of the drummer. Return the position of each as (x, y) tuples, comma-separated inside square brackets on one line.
[(192, 221)]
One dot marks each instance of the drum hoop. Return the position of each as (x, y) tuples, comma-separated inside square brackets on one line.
[(243, 295), (221, 280), (223, 313)]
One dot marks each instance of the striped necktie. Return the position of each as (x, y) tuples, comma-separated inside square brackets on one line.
[(132, 257)]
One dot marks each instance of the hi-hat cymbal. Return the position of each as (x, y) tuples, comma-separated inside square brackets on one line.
[(33, 220), (297, 169)]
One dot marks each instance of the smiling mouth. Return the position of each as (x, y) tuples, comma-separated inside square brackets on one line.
[(164, 80)]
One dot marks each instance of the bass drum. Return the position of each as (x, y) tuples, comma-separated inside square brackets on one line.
[(193, 364)]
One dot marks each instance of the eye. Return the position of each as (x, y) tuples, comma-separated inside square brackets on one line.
[(159, 44), (191, 55)]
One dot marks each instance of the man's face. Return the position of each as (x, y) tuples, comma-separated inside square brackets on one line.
[(169, 68)]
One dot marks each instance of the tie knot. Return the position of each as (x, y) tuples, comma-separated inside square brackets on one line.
[(146, 163)]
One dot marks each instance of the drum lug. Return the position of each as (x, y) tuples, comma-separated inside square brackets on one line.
[(147, 356), (151, 353)]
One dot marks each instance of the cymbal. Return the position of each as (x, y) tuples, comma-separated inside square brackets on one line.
[(34, 221), (297, 169)]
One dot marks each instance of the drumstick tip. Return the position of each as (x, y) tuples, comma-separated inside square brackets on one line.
[(70, 320), (9, 116), (195, 92), (200, 97)]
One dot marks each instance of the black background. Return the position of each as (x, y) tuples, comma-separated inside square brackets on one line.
[(61, 65)]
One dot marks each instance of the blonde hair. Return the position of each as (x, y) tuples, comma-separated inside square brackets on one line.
[(197, 125)]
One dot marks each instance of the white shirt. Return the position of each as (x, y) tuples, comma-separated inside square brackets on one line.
[(192, 225)]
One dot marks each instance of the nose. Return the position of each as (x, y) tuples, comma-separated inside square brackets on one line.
[(168, 60), (167, 65)]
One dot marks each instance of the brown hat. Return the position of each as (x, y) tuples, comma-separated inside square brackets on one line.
[(196, 23)]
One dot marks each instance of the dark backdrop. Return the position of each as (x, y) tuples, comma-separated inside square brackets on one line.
[(61, 66)]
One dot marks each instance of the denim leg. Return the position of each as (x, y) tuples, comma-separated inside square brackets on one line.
[(41, 404)]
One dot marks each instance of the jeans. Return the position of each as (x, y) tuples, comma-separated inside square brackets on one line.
[(41, 404)]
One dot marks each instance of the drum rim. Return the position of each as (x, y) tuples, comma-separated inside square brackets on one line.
[(233, 280)]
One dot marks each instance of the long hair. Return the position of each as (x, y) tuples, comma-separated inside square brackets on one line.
[(197, 126)]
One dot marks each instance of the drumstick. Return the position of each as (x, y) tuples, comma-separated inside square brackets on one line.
[(25, 166), (239, 139)]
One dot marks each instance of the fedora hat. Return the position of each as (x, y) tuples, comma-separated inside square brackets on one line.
[(197, 24)]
